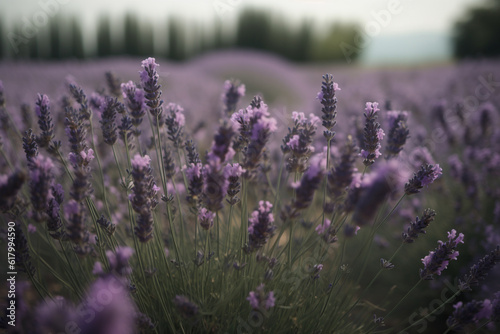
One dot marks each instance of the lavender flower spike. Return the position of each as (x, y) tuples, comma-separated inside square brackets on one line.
[(419, 226), (215, 183), (115, 316), (261, 226), (471, 312), (149, 79), (22, 252), (108, 114), (195, 182), (76, 229), (341, 175), (398, 132), (10, 185), (29, 145), (329, 101), (186, 308), (42, 110), (385, 179), (233, 91), (41, 181), (175, 122), (480, 270), (233, 173), (305, 189), (135, 102), (143, 197), (372, 133), (426, 175), (438, 260), (259, 299), (119, 260), (206, 218)]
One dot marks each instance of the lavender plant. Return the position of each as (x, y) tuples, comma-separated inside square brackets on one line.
[(137, 232)]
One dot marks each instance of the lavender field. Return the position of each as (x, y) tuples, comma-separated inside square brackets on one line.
[(239, 193)]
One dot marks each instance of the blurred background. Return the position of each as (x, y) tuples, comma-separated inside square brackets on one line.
[(368, 32)]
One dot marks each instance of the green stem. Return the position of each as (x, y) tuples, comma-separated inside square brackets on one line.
[(434, 311), (404, 297)]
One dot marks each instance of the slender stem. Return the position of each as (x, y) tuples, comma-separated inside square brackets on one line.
[(404, 297), (277, 193), (218, 234), (480, 327), (290, 244), (370, 284), (6, 158), (433, 311)]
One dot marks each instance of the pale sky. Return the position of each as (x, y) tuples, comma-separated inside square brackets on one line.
[(412, 15)]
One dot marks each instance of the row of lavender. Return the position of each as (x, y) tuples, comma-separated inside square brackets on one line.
[(128, 221)]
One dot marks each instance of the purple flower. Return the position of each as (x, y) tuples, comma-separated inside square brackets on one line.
[(418, 227), (398, 132), (375, 187), (135, 102), (304, 192), (108, 110), (420, 156), (143, 196), (233, 170), (372, 133), (76, 229), (221, 145), (119, 260), (263, 125), (261, 226), (42, 110), (185, 307), (30, 145), (298, 142), (97, 269), (175, 122), (323, 227), (255, 126), (316, 269), (22, 252), (54, 315), (42, 103), (394, 116), (96, 101), (438, 260), (233, 91), (139, 162), (41, 181), (425, 176), (31, 228), (195, 182), (329, 101), (480, 270), (149, 78), (432, 175), (471, 312), (206, 218), (259, 299), (341, 175), (113, 309), (456, 166), (9, 187), (215, 183), (233, 173)]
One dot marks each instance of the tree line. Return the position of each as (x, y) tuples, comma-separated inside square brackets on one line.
[(66, 37)]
